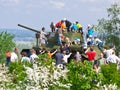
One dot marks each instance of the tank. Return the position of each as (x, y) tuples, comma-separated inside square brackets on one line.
[(37, 35)]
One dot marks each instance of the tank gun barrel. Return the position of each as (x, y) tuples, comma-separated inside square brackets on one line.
[(28, 28)]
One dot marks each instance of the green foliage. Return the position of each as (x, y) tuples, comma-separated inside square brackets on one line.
[(6, 43), (56, 87), (110, 74), (109, 29), (17, 71), (82, 76)]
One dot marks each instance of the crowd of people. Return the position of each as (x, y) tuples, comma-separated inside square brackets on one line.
[(63, 55)]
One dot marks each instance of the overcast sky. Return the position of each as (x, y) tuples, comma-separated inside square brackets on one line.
[(38, 13)]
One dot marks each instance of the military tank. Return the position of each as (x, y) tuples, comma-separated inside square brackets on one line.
[(37, 35)]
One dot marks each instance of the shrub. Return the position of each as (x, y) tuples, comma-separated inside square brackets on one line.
[(82, 76), (6, 43), (110, 74), (17, 71)]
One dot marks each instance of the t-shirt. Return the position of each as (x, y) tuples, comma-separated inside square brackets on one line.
[(25, 59), (101, 61), (90, 32), (32, 58), (91, 55), (74, 27), (58, 58), (109, 52), (65, 58), (113, 59), (77, 56), (14, 57), (63, 26), (79, 25)]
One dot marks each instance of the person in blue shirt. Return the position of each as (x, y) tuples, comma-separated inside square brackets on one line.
[(74, 28), (90, 31)]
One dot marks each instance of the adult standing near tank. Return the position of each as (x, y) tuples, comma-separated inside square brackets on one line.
[(109, 51), (113, 58), (58, 57), (77, 57), (14, 55)]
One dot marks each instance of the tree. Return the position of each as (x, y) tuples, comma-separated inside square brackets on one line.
[(110, 28), (6, 43)]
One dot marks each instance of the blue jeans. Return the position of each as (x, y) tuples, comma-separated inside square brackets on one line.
[(7, 61), (100, 46), (90, 43)]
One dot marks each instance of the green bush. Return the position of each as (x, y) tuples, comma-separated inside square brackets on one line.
[(110, 74), (6, 43), (17, 71), (82, 76)]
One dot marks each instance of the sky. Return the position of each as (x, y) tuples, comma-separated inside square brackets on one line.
[(39, 13)]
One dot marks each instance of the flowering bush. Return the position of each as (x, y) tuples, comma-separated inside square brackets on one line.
[(44, 75)]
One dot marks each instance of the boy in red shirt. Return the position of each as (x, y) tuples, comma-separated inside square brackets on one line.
[(91, 54)]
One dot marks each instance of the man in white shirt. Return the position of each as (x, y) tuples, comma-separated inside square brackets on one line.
[(113, 59), (108, 52), (14, 56), (65, 57)]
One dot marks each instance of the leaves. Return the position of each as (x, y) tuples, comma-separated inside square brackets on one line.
[(110, 28), (110, 74), (6, 43), (17, 71), (81, 76)]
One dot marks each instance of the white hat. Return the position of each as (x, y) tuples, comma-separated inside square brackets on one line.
[(65, 19), (89, 25)]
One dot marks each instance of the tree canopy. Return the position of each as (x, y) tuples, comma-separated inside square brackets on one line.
[(110, 28)]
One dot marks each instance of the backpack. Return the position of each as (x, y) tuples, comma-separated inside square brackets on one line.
[(58, 25)]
